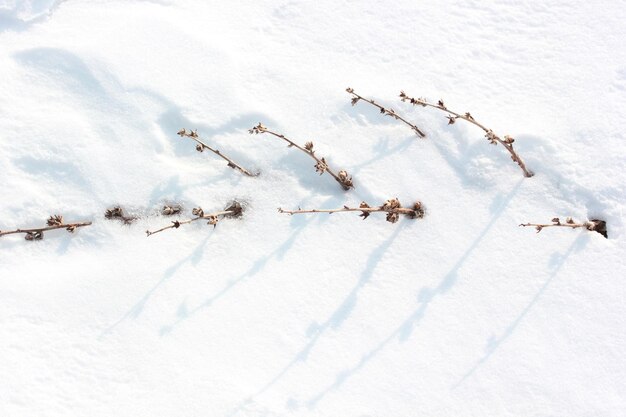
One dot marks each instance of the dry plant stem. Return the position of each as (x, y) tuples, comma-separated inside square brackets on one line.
[(392, 207), (594, 225), (407, 211), (68, 226), (321, 165), (383, 110), (202, 146), (507, 142), (178, 223), (539, 225)]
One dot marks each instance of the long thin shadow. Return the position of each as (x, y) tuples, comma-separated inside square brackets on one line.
[(252, 271), (256, 267), (494, 343), (426, 296), (336, 318), (138, 307)]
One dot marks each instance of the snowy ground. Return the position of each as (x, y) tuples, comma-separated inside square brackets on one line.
[(459, 314)]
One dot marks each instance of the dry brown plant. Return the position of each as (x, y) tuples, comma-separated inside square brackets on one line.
[(392, 207), (321, 165), (506, 141), (594, 225), (384, 110), (54, 222), (201, 146), (234, 210)]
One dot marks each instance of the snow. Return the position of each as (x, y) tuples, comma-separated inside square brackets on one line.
[(461, 313)]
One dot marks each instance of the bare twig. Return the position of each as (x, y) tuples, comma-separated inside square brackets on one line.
[(594, 225), (118, 213), (54, 222), (201, 146), (234, 210), (452, 116), (389, 112), (392, 207), (321, 165)]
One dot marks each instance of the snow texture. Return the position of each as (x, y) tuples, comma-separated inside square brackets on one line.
[(462, 313)]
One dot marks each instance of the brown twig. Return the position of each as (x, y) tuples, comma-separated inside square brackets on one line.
[(591, 225), (201, 146), (54, 222), (383, 110), (234, 210), (321, 165), (494, 139), (392, 207)]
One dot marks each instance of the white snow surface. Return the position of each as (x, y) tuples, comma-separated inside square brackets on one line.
[(462, 313)]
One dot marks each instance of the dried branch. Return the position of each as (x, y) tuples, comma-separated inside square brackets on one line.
[(452, 116), (234, 210), (594, 225), (392, 207), (54, 222), (201, 146), (389, 112), (118, 213), (321, 165)]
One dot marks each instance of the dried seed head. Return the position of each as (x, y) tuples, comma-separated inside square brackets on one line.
[(354, 100), (176, 224), (598, 226), (193, 133), (34, 236), (364, 214), (182, 132), (451, 120), (418, 211), (508, 139), (199, 148), (71, 228), (569, 220), (168, 210), (349, 90), (346, 180), (309, 146), (213, 220), (440, 104), (113, 212), (257, 129), (469, 116), (538, 228), (491, 137), (235, 208), (197, 211), (556, 220), (391, 204), (55, 220), (393, 217), (321, 166)]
